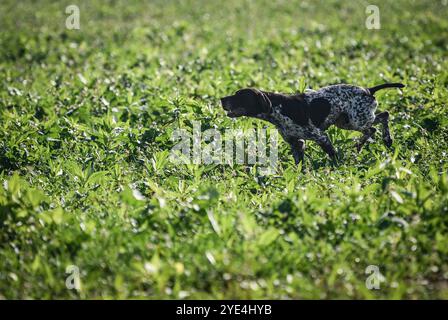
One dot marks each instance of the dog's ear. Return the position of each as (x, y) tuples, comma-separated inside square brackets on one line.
[(267, 104)]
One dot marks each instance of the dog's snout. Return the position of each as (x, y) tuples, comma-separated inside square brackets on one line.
[(225, 102)]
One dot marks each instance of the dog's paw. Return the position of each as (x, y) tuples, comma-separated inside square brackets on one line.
[(388, 142), (335, 159)]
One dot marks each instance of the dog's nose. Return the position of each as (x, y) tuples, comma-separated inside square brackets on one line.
[(224, 102)]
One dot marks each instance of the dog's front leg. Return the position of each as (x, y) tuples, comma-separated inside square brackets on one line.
[(297, 147)]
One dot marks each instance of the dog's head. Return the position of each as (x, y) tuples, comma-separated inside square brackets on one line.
[(246, 102)]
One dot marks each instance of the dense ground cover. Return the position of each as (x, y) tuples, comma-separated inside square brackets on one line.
[(86, 118)]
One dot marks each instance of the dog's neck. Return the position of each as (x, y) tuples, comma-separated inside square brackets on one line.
[(273, 115), (275, 98)]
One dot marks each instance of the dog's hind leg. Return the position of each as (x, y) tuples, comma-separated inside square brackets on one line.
[(383, 118), (367, 134)]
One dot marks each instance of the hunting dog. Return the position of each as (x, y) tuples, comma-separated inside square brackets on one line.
[(306, 116)]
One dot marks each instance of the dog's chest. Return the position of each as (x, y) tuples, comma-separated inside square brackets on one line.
[(287, 127)]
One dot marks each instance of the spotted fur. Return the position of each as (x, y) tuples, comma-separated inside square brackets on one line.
[(306, 116)]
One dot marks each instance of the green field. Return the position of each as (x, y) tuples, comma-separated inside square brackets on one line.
[(86, 121)]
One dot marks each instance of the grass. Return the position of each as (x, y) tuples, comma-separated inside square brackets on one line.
[(86, 118)]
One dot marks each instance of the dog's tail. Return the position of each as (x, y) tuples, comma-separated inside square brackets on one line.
[(383, 86)]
